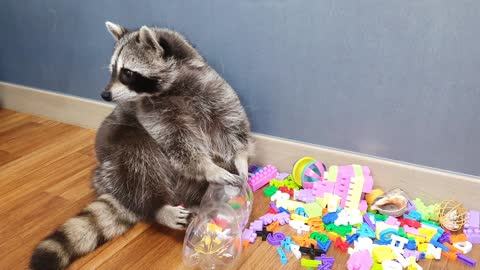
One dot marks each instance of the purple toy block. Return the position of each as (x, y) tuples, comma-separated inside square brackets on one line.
[(256, 225), (267, 218), (366, 219), (305, 195), (472, 227), (253, 169), (445, 237), (466, 260), (327, 262), (282, 176), (274, 206), (360, 260), (249, 235), (409, 253), (282, 218), (411, 206), (262, 177), (275, 239)]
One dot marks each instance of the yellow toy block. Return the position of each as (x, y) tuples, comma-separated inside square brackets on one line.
[(413, 265), (354, 192), (333, 201), (289, 204), (332, 173), (429, 233), (212, 227), (298, 217), (382, 253), (422, 247), (420, 239), (322, 202)]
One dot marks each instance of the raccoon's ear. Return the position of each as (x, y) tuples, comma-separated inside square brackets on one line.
[(116, 30), (148, 38)]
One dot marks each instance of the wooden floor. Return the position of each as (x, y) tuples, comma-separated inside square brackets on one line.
[(45, 171)]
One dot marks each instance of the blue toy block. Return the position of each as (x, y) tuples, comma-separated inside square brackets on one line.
[(283, 257)]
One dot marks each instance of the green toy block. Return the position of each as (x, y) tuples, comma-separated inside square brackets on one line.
[(310, 263), (313, 210), (401, 232), (269, 191), (381, 217), (321, 202)]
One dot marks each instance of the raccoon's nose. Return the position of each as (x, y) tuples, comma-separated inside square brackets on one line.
[(106, 95)]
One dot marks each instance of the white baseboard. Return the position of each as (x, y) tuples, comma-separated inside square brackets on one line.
[(430, 184)]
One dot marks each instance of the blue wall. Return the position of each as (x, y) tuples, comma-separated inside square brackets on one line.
[(395, 79)]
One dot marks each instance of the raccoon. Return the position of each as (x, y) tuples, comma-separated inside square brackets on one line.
[(177, 127)]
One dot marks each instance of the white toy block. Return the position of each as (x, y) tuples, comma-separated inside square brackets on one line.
[(342, 218), (362, 243), (333, 201), (400, 259), (398, 242), (434, 251), (465, 247), (296, 251), (391, 265), (280, 196), (355, 217)]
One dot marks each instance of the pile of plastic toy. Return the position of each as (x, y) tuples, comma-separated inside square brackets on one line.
[(339, 208)]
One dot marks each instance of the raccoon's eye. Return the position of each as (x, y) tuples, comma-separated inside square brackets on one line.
[(126, 76)]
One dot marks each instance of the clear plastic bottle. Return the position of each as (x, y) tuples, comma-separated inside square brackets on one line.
[(213, 238)]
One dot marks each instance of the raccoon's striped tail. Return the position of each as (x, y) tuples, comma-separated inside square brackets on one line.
[(102, 220)]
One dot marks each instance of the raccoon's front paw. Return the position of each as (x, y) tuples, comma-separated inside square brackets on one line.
[(224, 177), (175, 217)]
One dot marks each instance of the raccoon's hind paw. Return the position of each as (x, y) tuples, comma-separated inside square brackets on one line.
[(175, 217), (222, 176)]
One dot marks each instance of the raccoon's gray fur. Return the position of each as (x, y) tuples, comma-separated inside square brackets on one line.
[(177, 127)]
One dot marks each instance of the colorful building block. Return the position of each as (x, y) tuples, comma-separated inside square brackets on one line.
[(360, 260), (305, 195), (313, 210), (472, 227), (262, 177), (287, 243), (283, 257), (275, 239), (249, 235), (466, 260), (282, 218)]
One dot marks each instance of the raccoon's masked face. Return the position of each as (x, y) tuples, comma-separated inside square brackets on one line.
[(139, 65)]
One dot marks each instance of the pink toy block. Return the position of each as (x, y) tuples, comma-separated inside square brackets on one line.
[(368, 184), (360, 260), (322, 187), (341, 189), (472, 227), (262, 177), (349, 170), (392, 221), (282, 176), (363, 206)]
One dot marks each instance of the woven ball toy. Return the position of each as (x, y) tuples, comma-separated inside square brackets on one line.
[(451, 215)]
